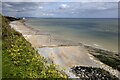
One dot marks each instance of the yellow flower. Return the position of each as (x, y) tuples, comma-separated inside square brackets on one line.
[(33, 59), (15, 62), (18, 49), (49, 71), (18, 61), (18, 53), (28, 60), (11, 53), (36, 56)]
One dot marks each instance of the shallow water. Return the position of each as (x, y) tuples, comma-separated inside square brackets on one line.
[(101, 33)]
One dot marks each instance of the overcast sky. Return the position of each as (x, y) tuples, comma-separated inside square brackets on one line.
[(79, 9), (60, 0)]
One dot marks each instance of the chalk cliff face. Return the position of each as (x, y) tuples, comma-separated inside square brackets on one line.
[(64, 53)]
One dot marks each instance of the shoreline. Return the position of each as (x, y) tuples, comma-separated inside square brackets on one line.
[(78, 43), (37, 32), (92, 44)]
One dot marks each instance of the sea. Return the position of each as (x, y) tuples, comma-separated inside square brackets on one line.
[(97, 32)]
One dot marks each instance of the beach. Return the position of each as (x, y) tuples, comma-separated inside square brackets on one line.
[(100, 33), (64, 53)]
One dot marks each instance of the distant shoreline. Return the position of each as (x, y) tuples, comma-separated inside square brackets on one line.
[(66, 18)]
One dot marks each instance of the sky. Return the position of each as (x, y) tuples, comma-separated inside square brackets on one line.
[(65, 9), (60, 0)]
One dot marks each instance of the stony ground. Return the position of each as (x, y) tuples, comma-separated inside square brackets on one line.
[(90, 73)]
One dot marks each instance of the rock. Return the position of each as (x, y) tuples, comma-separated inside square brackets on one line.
[(92, 73)]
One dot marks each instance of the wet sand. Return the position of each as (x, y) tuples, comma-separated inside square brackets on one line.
[(66, 54)]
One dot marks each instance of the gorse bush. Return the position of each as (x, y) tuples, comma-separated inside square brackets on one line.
[(20, 60)]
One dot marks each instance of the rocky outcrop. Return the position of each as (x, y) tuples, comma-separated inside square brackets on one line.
[(90, 73)]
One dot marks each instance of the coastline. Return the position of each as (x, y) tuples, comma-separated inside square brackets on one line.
[(46, 42), (73, 43), (79, 32)]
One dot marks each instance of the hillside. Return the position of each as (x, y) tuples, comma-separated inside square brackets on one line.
[(20, 60)]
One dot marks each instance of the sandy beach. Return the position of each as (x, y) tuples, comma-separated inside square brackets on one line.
[(66, 54)]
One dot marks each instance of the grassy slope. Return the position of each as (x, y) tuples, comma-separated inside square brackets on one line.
[(0, 47), (20, 60)]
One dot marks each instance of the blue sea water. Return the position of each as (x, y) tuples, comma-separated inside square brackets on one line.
[(102, 33)]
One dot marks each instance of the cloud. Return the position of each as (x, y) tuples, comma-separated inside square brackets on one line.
[(61, 9), (19, 7), (7, 5), (40, 7), (46, 14), (60, 0), (63, 6)]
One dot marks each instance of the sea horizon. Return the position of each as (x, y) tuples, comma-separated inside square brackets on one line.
[(63, 18)]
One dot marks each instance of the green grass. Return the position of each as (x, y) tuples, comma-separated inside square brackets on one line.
[(20, 60), (0, 47)]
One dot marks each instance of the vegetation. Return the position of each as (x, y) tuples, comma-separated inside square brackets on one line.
[(107, 57), (109, 60), (0, 47), (20, 60)]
